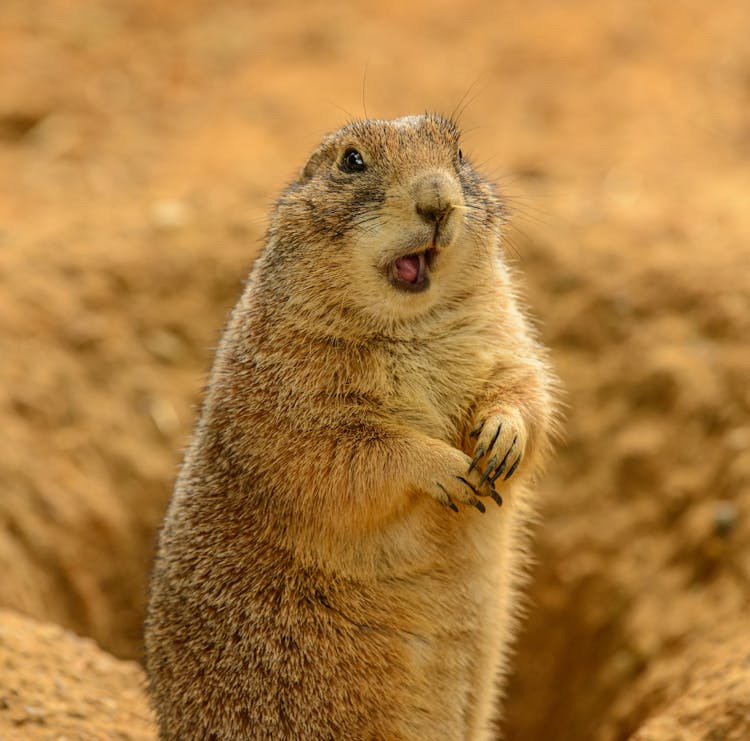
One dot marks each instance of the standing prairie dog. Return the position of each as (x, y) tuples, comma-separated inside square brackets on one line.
[(332, 564)]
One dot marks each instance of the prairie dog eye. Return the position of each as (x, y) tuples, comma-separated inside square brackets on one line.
[(352, 161), (460, 155)]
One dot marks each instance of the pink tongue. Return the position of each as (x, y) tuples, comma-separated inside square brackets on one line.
[(408, 268)]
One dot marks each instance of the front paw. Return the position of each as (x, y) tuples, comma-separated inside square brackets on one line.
[(499, 448), (454, 481)]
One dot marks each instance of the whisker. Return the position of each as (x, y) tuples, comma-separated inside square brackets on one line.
[(465, 101), (351, 117), (364, 88), (511, 243)]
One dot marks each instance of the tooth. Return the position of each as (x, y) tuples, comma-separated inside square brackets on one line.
[(422, 265)]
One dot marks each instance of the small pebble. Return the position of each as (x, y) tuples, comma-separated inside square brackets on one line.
[(725, 518)]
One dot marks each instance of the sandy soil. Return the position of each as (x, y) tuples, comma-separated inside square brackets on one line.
[(141, 144), (55, 686)]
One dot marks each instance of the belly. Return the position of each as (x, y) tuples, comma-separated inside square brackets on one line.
[(446, 617)]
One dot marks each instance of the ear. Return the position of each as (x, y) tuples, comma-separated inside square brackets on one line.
[(319, 157)]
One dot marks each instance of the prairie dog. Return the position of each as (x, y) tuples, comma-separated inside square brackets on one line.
[(333, 563)]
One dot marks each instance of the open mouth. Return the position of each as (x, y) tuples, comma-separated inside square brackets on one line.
[(412, 272)]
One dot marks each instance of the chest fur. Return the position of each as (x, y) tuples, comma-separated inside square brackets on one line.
[(432, 384)]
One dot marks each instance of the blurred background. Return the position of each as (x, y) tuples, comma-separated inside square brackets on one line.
[(142, 144)]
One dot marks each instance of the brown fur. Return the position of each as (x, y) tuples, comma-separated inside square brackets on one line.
[(309, 584)]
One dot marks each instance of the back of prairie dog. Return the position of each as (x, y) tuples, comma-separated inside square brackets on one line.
[(334, 563)]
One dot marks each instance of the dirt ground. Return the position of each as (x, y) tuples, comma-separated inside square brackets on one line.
[(141, 144)]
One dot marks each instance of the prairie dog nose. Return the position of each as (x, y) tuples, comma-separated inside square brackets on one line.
[(436, 194)]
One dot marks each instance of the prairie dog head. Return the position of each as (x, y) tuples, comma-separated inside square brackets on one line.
[(386, 221)]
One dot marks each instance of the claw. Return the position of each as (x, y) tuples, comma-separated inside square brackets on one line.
[(503, 463), (480, 453), (497, 434), (449, 502), (490, 466), (477, 430), (464, 481), (499, 471), (473, 501), (496, 498), (512, 469)]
